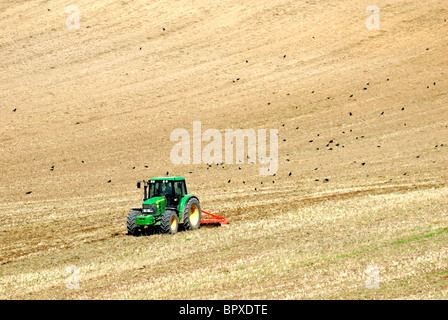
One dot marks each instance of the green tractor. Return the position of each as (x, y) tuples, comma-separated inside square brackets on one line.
[(166, 204)]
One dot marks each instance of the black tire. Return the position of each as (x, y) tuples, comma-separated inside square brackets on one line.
[(170, 222), (132, 222), (192, 214)]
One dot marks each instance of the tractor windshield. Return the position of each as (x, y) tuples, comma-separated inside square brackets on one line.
[(160, 188), (173, 191)]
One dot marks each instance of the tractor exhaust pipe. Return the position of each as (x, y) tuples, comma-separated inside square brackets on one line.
[(145, 189)]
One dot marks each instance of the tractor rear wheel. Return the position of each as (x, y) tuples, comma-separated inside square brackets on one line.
[(192, 214), (132, 222), (170, 222)]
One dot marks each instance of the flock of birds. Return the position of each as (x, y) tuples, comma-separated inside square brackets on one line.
[(330, 145)]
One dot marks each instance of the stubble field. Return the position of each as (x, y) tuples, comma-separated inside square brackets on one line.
[(362, 117)]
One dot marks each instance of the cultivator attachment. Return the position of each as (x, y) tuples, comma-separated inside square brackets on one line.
[(212, 219)]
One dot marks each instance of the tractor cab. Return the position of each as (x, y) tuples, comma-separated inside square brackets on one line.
[(172, 189)]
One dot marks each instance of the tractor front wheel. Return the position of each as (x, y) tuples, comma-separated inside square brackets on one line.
[(192, 214), (170, 222), (132, 222)]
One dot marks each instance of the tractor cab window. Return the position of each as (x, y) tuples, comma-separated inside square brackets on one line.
[(179, 189), (173, 191), (160, 188)]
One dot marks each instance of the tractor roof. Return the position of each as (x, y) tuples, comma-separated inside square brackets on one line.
[(168, 178)]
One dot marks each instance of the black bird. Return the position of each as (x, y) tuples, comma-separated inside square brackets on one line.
[(402, 109), (28, 192), (363, 163), (351, 96), (228, 181), (167, 173), (382, 113), (14, 110), (326, 180), (290, 173), (351, 114), (83, 162), (284, 56), (109, 181)]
